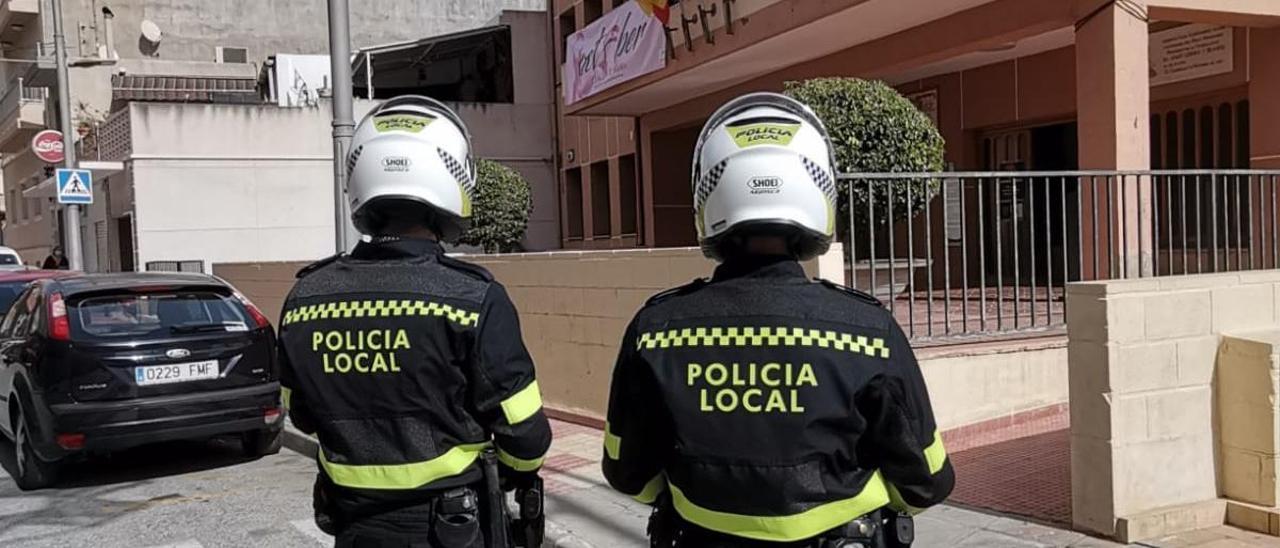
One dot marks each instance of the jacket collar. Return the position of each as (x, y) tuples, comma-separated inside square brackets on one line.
[(392, 248), (779, 267)]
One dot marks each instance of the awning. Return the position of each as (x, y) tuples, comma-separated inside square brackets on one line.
[(187, 89), (472, 65)]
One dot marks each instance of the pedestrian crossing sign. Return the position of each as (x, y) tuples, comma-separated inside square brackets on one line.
[(75, 186)]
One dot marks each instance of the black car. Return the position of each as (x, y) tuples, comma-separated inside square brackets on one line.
[(102, 362)]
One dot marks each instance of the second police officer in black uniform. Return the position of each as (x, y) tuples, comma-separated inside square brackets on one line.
[(406, 363), (761, 408)]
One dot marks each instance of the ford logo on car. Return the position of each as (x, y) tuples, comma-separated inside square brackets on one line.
[(177, 353)]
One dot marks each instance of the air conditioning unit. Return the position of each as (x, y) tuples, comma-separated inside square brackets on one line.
[(225, 54)]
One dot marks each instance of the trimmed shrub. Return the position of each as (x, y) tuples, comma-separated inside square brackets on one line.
[(500, 213)]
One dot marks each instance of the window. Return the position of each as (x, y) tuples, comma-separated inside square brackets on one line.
[(568, 25), (591, 11), (573, 203), (224, 54), (628, 194), (1204, 207), (15, 315), (600, 210), (116, 316)]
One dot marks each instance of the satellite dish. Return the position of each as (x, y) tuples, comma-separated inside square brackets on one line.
[(151, 32)]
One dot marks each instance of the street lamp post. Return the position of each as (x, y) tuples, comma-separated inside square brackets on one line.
[(70, 212), (343, 122)]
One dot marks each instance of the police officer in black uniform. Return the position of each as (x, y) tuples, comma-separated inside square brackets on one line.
[(408, 365), (761, 408)]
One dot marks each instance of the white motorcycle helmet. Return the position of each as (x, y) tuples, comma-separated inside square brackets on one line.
[(412, 149), (764, 165)]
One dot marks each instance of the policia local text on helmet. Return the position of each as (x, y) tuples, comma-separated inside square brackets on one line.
[(408, 364), (760, 408)]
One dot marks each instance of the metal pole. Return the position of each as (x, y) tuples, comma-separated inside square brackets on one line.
[(70, 212), (343, 122)]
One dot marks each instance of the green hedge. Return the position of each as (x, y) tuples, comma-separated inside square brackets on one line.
[(500, 212), (875, 130)]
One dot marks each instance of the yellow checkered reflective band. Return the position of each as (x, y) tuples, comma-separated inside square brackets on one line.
[(935, 454), (612, 443), (790, 528), (286, 396), (651, 490), (518, 464), (763, 336), (523, 404), (382, 308), (402, 476)]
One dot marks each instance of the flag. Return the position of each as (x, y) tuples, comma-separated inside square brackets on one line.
[(658, 8)]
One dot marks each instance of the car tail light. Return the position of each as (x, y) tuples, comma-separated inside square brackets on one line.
[(258, 318), (59, 324), (270, 415), (71, 441)]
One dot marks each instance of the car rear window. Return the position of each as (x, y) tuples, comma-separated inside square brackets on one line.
[(6, 259), (156, 314)]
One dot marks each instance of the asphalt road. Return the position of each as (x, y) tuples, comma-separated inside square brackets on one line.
[(180, 495)]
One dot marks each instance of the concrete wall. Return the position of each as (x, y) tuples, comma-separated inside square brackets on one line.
[(193, 28), (1142, 360), (575, 305), (231, 183)]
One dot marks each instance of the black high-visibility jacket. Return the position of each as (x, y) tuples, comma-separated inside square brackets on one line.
[(406, 364), (772, 407)]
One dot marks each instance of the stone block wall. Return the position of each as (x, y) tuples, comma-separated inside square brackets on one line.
[(1142, 357)]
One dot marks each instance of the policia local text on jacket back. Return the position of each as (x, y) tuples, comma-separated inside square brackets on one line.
[(771, 407), (406, 363)]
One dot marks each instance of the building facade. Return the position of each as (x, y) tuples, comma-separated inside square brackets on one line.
[(119, 44), (1011, 84)]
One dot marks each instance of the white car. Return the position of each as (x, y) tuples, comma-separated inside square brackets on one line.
[(10, 260)]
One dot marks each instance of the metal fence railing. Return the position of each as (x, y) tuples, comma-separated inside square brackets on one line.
[(964, 254)]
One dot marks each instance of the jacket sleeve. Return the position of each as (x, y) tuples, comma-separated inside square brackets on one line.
[(505, 389), (638, 437), (294, 400), (902, 437)]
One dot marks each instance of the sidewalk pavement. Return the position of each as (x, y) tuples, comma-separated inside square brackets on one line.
[(583, 512)]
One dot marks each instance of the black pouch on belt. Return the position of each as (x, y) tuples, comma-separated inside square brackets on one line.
[(456, 522)]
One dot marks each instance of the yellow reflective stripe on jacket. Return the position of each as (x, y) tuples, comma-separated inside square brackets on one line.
[(896, 502), (518, 464), (612, 443), (286, 396), (523, 404), (402, 476), (651, 490), (380, 308), (763, 336), (786, 528), (935, 454)]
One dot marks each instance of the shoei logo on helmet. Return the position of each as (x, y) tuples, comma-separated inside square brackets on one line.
[(765, 185), (401, 122), (396, 163), (763, 134)]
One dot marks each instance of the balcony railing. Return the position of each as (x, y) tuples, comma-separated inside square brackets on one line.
[(957, 255), (18, 93)]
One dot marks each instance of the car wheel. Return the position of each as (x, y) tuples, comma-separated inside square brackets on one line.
[(260, 443), (32, 471)]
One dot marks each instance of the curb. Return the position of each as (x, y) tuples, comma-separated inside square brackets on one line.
[(557, 536)]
